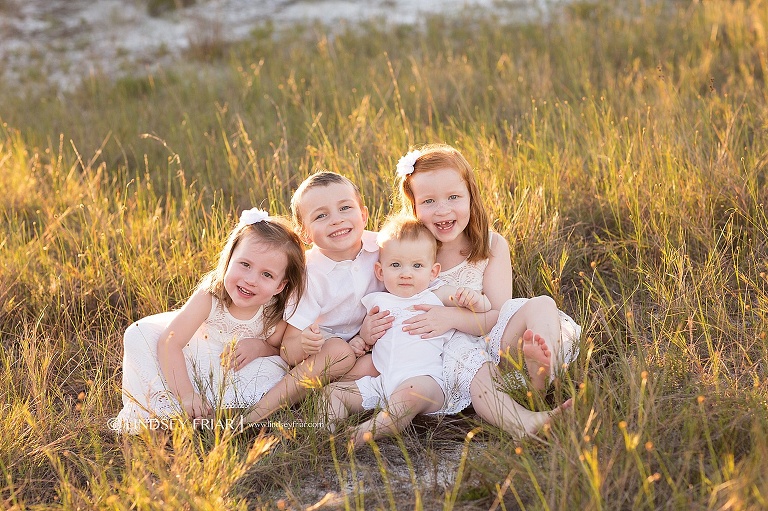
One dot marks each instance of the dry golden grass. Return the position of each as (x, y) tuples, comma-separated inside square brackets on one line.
[(622, 150)]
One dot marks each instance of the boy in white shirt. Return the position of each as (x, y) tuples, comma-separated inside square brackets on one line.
[(321, 341)]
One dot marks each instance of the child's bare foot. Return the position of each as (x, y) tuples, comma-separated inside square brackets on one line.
[(360, 439), (537, 359), (537, 421)]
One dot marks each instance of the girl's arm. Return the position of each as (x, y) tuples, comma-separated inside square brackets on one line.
[(276, 339), (171, 359), (291, 349), (438, 319), (246, 350), (497, 279), (497, 286)]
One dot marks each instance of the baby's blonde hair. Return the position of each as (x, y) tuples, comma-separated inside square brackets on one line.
[(401, 226)]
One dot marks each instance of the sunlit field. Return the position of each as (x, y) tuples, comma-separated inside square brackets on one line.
[(622, 149)]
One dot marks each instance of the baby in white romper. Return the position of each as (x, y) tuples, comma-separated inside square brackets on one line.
[(411, 368)]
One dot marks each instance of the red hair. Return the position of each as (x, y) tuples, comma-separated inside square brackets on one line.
[(443, 156)]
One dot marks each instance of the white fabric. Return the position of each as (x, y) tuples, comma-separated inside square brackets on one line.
[(145, 391), (335, 290), (463, 356), (398, 355), (466, 274)]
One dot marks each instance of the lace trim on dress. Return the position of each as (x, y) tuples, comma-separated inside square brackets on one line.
[(466, 274), (222, 326)]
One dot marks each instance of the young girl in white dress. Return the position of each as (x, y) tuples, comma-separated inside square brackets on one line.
[(189, 362), (438, 186), (411, 368)]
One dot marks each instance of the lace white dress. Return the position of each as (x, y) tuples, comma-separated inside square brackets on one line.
[(145, 391), (463, 356)]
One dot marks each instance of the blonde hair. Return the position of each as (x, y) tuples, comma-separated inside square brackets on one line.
[(278, 235), (442, 156), (401, 226), (320, 178)]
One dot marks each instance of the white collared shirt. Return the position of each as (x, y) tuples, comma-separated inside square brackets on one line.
[(335, 290)]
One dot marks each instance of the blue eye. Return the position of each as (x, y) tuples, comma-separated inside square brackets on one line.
[(321, 215), (267, 274), (428, 201), (418, 265), (245, 264), (454, 196), (344, 208)]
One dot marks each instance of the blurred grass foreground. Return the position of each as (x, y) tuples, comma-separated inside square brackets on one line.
[(622, 150)]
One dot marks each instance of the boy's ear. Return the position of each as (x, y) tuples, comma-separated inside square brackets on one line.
[(378, 270), (304, 236), (365, 214), (435, 270)]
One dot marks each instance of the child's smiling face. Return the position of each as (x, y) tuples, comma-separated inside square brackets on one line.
[(442, 202), (256, 273), (333, 220)]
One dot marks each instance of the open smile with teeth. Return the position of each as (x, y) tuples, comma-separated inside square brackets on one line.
[(445, 225), (340, 232), (244, 291)]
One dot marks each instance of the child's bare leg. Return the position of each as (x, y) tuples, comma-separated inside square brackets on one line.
[(420, 394), (541, 316), (500, 410), (341, 399), (334, 359), (363, 367)]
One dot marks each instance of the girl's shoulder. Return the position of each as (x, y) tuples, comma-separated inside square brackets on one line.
[(499, 249), (497, 242), (202, 301), (195, 311)]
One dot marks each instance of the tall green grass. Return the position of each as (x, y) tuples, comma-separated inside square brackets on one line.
[(622, 150)]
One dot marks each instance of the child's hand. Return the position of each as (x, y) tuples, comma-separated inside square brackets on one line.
[(195, 406), (375, 325), (470, 299), (238, 355), (358, 346), (312, 339), (436, 320)]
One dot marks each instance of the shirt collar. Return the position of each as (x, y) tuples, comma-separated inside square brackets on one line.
[(326, 265), (369, 241)]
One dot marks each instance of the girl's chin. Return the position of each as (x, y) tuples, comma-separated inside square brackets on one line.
[(245, 308)]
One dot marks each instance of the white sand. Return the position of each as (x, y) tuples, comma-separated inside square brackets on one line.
[(64, 41)]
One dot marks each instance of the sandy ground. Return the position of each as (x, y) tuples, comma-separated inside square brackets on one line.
[(64, 41)]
